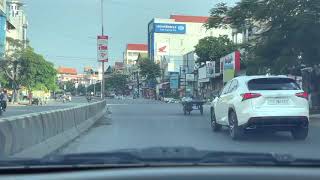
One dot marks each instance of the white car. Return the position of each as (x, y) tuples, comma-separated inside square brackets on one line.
[(274, 103)]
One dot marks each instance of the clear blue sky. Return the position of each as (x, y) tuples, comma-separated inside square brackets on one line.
[(64, 31)]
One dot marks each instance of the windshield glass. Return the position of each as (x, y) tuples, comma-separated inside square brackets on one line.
[(272, 84), (91, 77)]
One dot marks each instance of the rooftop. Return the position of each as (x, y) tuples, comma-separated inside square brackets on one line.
[(137, 47), (66, 70), (195, 19)]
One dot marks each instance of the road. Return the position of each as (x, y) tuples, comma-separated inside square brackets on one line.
[(15, 110), (139, 124)]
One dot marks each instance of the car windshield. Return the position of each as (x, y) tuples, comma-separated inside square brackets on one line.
[(272, 84), (83, 79)]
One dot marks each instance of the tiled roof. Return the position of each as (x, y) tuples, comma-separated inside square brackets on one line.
[(195, 19), (66, 70), (137, 47)]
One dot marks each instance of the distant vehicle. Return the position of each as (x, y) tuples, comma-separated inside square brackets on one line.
[(275, 103)]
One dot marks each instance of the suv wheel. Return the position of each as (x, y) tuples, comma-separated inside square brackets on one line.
[(236, 132), (214, 125), (300, 133)]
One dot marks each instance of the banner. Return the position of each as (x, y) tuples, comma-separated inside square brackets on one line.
[(102, 46), (210, 69)]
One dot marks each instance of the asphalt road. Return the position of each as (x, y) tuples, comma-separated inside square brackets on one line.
[(16, 110), (142, 123)]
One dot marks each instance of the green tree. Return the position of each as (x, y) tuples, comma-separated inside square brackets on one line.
[(9, 65), (35, 73), (117, 82), (213, 48), (288, 32), (149, 69)]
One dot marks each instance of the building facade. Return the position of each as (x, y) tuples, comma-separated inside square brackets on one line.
[(3, 26), (132, 52), (18, 22), (170, 39)]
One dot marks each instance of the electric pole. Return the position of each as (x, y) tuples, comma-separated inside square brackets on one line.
[(102, 63)]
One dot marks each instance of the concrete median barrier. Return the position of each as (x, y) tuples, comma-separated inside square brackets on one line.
[(6, 138), (37, 135)]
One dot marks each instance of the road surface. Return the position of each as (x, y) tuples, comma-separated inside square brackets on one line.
[(139, 124), (15, 110)]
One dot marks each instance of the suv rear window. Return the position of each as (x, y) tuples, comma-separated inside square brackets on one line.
[(273, 84)]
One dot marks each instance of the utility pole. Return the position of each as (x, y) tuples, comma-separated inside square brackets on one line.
[(102, 63)]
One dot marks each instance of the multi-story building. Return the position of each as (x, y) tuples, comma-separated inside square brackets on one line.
[(170, 39), (17, 29), (3, 25), (132, 52)]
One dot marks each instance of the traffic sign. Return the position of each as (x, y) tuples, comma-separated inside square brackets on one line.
[(102, 47)]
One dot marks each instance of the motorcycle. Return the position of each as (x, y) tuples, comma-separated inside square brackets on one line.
[(2, 108), (89, 98)]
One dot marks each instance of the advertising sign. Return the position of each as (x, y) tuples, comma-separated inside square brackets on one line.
[(102, 46), (169, 28), (202, 72), (174, 80), (210, 69), (189, 77), (163, 49), (230, 65)]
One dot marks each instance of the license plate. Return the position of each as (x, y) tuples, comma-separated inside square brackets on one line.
[(278, 101)]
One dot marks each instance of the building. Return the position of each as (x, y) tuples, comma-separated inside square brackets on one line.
[(170, 39), (18, 24), (66, 74), (132, 52), (3, 25)]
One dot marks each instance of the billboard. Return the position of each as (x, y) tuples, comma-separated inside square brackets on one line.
[(102, 47), (169, 28), (163, 48), (230, 65), (174, 80)]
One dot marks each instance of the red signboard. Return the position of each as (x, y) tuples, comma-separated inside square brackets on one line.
[(102, 47)]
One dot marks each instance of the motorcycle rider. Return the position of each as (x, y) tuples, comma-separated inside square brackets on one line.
[(4, 99)]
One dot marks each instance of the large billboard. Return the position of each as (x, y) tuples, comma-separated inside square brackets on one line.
[(230, 65), (169, 28)]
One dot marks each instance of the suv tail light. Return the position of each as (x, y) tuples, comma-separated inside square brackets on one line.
[(247, 96), (303, 95)]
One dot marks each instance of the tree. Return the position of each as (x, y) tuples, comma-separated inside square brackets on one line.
[(35, 73), (149, 69), (9, 64), (117, 82), (213, 48), (286, 32)]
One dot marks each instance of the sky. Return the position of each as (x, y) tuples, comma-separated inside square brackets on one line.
[(64, 31)]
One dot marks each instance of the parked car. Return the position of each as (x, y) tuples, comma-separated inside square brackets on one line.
[(274, 103)]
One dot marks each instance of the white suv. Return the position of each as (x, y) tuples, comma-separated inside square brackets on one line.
[(276, 103)]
